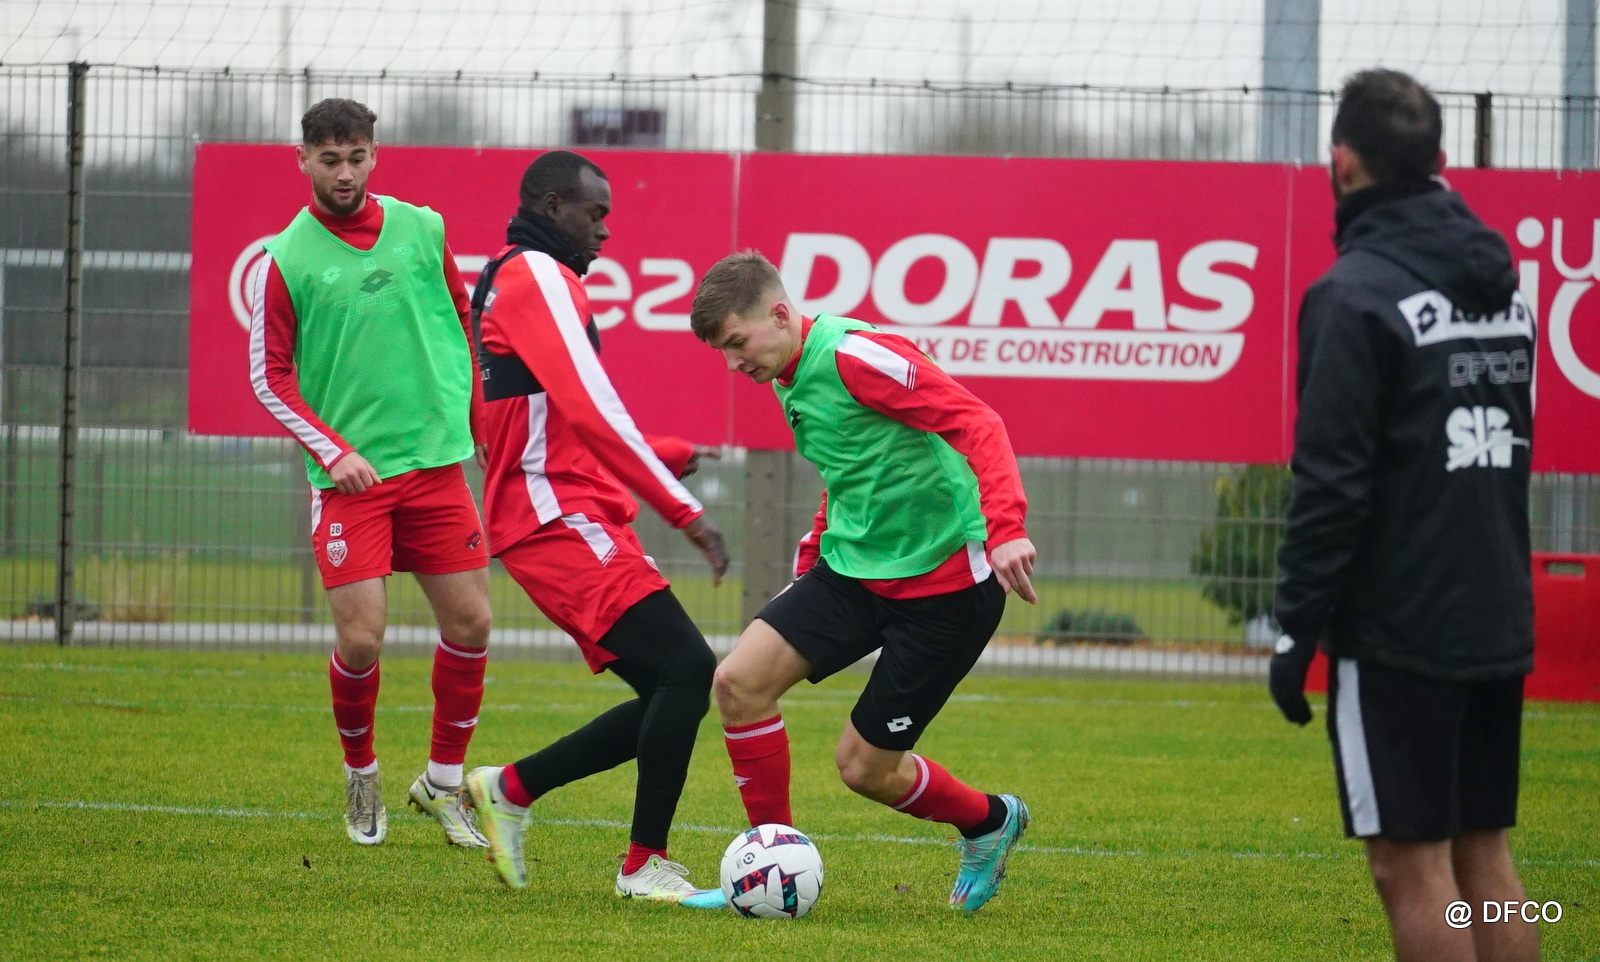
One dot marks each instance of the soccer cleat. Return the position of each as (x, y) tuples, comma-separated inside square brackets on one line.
[(660, 880), (501, 823), (983, 859), (365, 820), (447, 807), (705, 899)]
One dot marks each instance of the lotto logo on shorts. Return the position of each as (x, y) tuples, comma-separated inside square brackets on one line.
[(337, 551), (900, 724), (474, 541)]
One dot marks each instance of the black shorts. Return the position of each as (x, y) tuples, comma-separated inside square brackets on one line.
[(929, 644), (1419, 759)]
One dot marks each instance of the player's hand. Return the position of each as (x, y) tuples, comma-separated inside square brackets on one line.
[(1286, 678), (700, 451), (1013, 565), (708, 539), (480, 452), (352, 474)]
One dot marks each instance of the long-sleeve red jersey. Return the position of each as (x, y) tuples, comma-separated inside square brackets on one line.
[(572, 447), (274, 325), (886, 372)]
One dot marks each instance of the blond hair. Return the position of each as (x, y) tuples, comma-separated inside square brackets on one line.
[(733, 285)]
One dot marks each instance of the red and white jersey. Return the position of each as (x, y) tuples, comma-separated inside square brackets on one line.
[(886, 372), (274, 326), (571, 448)]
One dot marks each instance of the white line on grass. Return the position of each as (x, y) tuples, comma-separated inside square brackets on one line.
[(79, 805), (161, 706), (793, 698)]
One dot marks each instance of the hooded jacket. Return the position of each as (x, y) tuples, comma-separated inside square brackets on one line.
[(1407, 538)]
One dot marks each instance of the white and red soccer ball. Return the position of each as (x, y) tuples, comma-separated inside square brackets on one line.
[(772, 872)]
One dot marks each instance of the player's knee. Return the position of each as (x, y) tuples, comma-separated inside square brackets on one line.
[(698, 667), (859, 774), (358, 649), (1400, 870), (688, 678), (469, 629), (726, 687), (737, 694)]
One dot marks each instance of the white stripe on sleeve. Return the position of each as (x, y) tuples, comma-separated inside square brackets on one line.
[(593, 376), (318, 443), (541, 493), (885, 361)]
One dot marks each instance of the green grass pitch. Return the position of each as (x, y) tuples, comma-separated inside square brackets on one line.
[(169, 805)]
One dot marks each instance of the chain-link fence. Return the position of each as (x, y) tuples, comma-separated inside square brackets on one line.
[(202, 541)]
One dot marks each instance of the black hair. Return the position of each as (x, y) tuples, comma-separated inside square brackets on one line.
[(554, 172), (1392, 122), (342, 121)]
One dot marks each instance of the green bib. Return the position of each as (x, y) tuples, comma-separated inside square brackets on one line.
[(379, 353), (900, 500)]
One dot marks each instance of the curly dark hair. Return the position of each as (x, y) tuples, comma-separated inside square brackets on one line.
[(339, 120)]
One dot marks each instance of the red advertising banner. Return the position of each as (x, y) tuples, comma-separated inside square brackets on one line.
[(673, 219), (1105, 308)]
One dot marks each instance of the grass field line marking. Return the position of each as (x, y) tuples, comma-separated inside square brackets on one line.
[(154, 706), (134, 670), (131, 706), (156, 809), (1057, 850), (1577, 713)]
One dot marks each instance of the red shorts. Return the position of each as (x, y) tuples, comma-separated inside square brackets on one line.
[(583, 574), (423, 521)]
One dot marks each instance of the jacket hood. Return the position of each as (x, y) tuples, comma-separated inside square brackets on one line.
[(1430, 232)]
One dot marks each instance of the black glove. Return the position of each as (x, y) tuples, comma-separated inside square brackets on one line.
[(1286, 678)]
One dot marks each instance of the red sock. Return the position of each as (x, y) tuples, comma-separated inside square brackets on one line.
[(637, 856), (760, 755), (515, 793), (937, 796), (355, 698), (457, 694)]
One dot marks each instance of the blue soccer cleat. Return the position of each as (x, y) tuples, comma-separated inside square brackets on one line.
[(983, 859)]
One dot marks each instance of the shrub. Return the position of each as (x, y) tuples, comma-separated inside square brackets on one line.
[(1238, 555), (1070, 626)]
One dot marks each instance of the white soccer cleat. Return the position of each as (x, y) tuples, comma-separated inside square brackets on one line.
[(503, 824), (447, 807), (661, 880), (365, 819)]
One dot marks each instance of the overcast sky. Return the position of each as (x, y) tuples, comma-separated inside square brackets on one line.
[(1508, 46)]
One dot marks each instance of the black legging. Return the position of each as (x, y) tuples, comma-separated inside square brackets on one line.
[(664, 658)]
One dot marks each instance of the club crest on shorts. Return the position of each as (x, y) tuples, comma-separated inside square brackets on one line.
[(337, 551)]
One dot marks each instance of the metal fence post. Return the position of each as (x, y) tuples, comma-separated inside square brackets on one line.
[(1483, 130), (767, 474), (71, 347)]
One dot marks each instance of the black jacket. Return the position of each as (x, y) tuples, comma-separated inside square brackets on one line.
[(1407, 540)]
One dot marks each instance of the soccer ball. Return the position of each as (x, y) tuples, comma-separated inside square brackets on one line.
[(772, 872)]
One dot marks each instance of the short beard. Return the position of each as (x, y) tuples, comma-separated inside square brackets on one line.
[(330, 203)]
